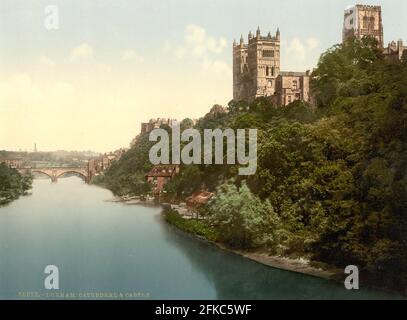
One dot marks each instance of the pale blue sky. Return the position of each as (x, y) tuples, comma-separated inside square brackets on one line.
[(147, 24), (162, 77)]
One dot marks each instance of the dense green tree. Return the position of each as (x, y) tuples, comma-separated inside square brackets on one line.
[(12, 184), (242, 219), (188, 181)]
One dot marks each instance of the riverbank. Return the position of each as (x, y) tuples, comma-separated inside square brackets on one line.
[(202, 231), (12, 184), (133, 199), (182, 219), (294, 265)]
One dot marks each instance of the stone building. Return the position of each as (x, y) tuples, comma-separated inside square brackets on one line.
[(292, 86), (146, 127), (366, 20), (256, 66), (395, 51), (155, 124), (361, 21), (13, 163), (256, 72)]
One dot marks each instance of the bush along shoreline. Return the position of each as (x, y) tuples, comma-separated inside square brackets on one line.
[(331, 179), (12, 184), (205, 228)]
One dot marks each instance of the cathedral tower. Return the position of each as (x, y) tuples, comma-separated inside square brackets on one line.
[(363, 20), (256, 66)]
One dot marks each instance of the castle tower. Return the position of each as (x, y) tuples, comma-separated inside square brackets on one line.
[(256, 66), (361, 21)]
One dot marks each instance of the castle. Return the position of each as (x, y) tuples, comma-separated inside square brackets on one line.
[(256, 64), (256, 72)]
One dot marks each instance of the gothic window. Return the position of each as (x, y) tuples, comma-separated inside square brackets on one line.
[(365, 22), (267, 71), (268, 53), (273, 71), (368, 22), (371, 23)]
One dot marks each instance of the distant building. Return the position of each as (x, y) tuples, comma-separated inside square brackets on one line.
[(147, 127), (155, 124), (13, 163), (365, 20), (395, 51), (292, 86), (256, 72), (98, 165), (361, 21), (160, 175)]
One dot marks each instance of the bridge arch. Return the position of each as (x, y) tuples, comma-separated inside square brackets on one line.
[(77, 172), (44, 172), (55, 172)]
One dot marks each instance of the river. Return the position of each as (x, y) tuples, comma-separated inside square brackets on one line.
[(116, 250)]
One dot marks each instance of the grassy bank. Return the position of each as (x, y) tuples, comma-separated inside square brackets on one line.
[(197, 227)]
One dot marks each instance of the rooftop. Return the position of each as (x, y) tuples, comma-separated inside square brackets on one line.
[(164, 170)]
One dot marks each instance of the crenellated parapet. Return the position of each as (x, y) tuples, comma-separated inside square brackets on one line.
[(256, 64), (251, 39)]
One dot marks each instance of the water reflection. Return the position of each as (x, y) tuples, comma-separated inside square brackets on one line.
[(236, 277)]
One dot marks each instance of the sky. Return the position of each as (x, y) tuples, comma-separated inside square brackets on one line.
[(88, 83)]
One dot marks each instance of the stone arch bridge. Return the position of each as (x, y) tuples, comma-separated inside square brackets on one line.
[(55, 172)]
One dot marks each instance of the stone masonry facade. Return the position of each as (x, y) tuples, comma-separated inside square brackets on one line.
[(366, 20), (256, 72), (257, 63), (361, 21)]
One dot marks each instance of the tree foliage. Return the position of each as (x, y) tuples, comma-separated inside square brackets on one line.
[(242, 219), (12, 184)]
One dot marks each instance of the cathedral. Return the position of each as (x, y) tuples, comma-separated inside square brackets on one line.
[(366, 20), (256, 72), (257, 65)]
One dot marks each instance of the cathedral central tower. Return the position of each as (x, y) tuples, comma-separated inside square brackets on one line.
[(256, 66)]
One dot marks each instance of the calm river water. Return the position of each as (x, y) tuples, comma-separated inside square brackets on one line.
[(128, 251)]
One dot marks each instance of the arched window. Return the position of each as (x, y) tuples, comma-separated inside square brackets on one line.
[(365, 22), (371, 23), (368, 22)]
